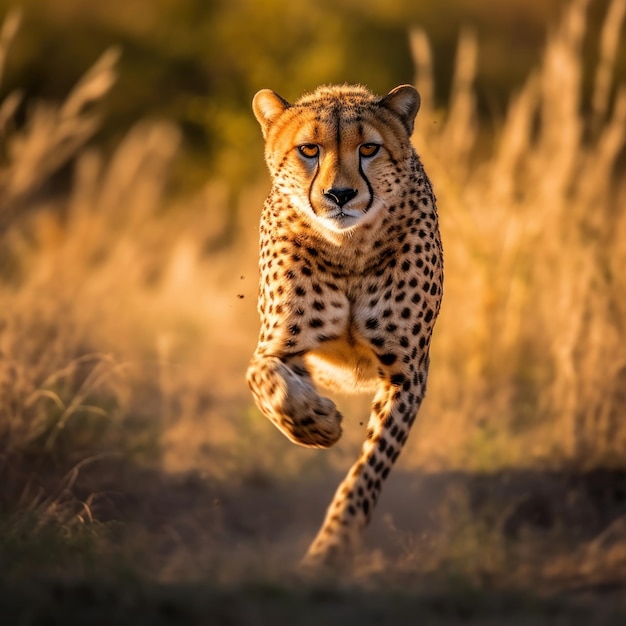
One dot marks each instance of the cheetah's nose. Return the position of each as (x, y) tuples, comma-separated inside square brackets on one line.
[(341, 196)]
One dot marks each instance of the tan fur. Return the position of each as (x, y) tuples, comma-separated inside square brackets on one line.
[(351, 282)]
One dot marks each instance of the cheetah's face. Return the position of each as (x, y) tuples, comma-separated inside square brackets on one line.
[(335, 154)]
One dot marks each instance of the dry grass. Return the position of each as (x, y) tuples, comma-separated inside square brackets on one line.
[(127, 315), (529, 360)]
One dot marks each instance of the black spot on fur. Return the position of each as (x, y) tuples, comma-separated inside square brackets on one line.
[(397, 380), (387, 359)]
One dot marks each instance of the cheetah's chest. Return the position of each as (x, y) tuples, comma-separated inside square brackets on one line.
[(346, 363)]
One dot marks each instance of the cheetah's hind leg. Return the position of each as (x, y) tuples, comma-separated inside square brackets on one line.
[(284, 392)]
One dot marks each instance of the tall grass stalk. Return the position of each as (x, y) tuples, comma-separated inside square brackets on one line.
[(532, 340), (126, 322)]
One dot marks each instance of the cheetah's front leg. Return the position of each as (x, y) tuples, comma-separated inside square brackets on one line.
[(284, 392), (393, 412)]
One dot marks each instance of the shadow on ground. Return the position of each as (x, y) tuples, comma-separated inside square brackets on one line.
[(282, 515)]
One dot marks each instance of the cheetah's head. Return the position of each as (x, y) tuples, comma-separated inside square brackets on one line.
[(337, 153)]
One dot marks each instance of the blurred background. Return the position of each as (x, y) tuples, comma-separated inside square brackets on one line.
[(131, 182), (199, 63)]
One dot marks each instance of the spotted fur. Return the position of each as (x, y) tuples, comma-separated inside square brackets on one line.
[(351, 277)]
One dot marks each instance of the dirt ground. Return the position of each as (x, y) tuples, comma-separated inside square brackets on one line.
[(520, 547)]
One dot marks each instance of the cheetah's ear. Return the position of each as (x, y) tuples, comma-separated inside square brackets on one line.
[(267, 106), (403, 101)]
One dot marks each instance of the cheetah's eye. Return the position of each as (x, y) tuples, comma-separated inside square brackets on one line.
[(369, 149), (309, 150)]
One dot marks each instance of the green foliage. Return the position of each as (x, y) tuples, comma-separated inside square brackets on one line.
[(200, 62)]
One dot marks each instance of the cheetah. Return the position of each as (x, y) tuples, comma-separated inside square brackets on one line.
[(351, 279)]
